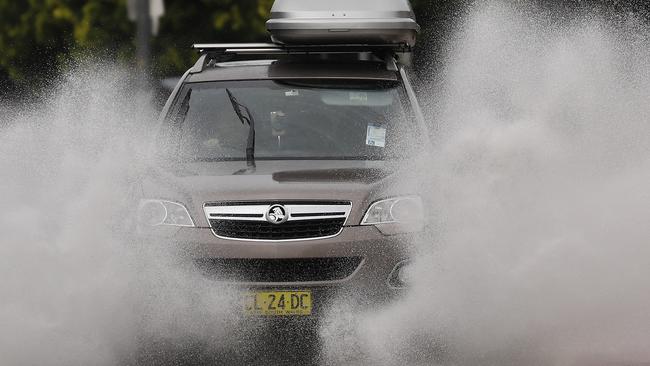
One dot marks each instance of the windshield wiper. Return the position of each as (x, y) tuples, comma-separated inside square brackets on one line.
[(250, 141)]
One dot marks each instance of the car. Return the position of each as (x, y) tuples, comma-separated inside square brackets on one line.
[(283, 169)]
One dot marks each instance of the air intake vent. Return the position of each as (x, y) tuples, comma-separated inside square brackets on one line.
[(293, 230), (279, 270)]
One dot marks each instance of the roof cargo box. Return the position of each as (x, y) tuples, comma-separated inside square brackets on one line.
[(343, 22)]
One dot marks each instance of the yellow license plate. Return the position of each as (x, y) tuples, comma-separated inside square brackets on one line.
[(278, 303)]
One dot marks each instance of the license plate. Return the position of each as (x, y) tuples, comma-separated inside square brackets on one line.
[(278, 303)]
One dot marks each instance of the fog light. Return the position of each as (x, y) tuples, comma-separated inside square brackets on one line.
[(405, 274), (401, 276)]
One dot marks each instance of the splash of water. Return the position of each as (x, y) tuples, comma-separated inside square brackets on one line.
[(540, 190), (539, 185), (76, 288)]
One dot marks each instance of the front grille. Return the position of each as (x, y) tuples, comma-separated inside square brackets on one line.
[(261, 230), (279, 270)]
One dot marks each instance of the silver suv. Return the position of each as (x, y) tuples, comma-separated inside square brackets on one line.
[(279, 166)]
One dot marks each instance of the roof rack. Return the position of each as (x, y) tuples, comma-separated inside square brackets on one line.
[(275, 48), (217, 52)]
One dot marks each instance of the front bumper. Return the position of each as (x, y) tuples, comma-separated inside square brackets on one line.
[(367, 286)]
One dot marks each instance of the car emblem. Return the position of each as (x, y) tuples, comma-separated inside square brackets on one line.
[(277, 214)]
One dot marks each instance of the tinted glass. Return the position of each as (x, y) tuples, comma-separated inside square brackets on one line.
[(304, 120)]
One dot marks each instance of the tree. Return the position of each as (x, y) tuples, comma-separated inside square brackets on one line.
[(38, 36)]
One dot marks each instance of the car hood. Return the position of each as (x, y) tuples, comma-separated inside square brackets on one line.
[(194, 184)]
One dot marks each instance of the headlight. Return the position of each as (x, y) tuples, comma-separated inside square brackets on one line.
[(394, 210), (159, 212), (402, 214)]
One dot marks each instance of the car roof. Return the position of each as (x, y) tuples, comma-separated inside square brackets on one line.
[(294, 69)]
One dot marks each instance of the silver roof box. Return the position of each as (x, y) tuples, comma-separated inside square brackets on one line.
[(343, 22)]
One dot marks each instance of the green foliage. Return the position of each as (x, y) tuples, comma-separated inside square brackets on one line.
[(37, 37)]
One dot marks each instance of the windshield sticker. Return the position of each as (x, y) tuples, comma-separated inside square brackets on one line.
[(376, 136), (292, 93), (359, 97)]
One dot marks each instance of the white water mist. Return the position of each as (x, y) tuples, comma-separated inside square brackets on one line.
[(75, 287), (540, 190)]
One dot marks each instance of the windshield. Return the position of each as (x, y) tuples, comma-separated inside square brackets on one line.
[(297, 120)]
